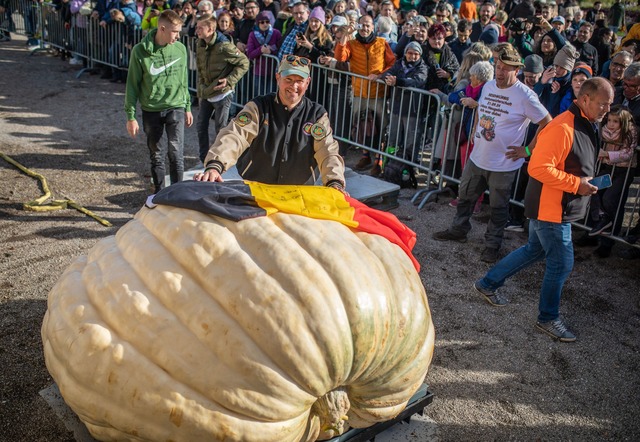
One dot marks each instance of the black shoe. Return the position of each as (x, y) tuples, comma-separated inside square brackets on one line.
[(489, 255), (603, 251), (630, 253), (602, 227), (446, 235), (514, 226), (106, 76), (586, 241)]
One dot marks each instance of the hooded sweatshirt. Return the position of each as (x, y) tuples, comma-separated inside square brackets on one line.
[(157, 77)]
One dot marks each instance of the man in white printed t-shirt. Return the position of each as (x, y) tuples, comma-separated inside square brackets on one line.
[(505, 109)]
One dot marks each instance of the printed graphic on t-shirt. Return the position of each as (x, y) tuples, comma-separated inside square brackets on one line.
[(488, 125), (492, 106)]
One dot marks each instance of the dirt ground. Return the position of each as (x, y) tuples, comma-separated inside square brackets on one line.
[(494, 377)]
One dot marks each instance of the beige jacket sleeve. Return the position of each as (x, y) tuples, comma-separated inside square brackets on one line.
[(327, 155), (235, 138)]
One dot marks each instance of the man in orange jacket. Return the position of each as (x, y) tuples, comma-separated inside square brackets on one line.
[(558, 192), (368, 56)]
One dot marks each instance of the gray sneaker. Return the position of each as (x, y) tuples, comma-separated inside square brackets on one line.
[(491, 297), (557, 329)]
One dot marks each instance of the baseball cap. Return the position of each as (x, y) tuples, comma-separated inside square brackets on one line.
[(419, 19), (339, 20), (294, 65), (558, 18), (510, 56)]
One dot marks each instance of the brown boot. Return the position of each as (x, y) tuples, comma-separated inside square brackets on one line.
[(376, 170), (363, 164)]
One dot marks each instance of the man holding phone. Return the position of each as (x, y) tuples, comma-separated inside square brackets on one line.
[(561, 166), (301, 22)]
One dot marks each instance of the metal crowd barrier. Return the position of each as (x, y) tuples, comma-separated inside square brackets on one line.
[(408, 125)]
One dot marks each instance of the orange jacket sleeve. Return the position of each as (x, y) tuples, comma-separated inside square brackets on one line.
[(389, 57), (342, 52), (547, 159)]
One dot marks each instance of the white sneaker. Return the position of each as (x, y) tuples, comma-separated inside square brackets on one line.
[(75, 62)]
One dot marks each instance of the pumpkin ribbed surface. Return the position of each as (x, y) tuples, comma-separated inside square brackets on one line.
[(185, 326)]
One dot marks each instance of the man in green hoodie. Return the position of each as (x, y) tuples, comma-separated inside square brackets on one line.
[(158, 79)]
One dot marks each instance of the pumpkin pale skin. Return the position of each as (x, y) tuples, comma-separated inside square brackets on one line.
[(186, 327)]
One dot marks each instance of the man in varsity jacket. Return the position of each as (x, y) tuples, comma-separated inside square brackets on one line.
[(279, 138), (558, 192)]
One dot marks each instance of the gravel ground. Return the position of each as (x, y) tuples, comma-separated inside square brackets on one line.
[(494, 376)]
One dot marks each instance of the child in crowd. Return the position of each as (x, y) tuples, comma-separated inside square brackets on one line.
[(617, 158)]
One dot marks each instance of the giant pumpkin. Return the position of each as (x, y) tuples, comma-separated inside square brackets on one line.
[(189, 327)]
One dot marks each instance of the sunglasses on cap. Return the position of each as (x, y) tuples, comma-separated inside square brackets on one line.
[(298, 61)]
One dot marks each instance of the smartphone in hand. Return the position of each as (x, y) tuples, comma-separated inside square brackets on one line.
[(601, 182)]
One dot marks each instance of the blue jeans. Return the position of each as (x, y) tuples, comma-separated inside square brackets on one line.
[(546, 240), (220, 112), (154, 125)]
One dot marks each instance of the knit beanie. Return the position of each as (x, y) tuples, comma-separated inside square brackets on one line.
[(415, 46), (566, 57), (490, 34), (581, 68), (318, 13), (533, 64), (265, 15)]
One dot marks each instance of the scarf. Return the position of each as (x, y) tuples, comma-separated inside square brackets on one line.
[(610, 136), (263, 37), (473, 92), (408, 66), (366, 40)]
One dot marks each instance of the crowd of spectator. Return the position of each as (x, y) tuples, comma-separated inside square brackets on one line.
[(444, 48)]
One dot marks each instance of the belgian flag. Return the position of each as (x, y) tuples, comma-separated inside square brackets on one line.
[(237, 200)]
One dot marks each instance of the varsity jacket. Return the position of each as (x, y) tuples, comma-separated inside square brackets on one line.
[(216, 60), (566, 150), (366, 59), (157, 77), (276, 145)]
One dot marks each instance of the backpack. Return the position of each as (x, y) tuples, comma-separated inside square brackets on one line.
[(399, 173)]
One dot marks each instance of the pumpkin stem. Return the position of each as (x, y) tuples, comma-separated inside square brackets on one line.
[(332, 410)]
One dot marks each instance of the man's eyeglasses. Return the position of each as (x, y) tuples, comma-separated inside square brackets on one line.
[(619, 65), (297, 61), (630, 86)]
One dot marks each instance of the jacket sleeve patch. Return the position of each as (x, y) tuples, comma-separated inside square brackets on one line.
[(243, 119), (318, 131)]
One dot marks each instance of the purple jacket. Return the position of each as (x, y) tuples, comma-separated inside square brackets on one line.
[(263, 66)]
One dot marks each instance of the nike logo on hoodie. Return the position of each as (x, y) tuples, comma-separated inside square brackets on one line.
[(155, 71)]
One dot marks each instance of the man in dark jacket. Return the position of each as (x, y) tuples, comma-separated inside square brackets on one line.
[(558, 192), (405, 132), (280, 138), (463, 42), (487, 11), (588, 53), (245, 28), (220, 66)]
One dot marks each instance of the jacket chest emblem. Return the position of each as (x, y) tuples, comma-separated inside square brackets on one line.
[(306, 128)]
